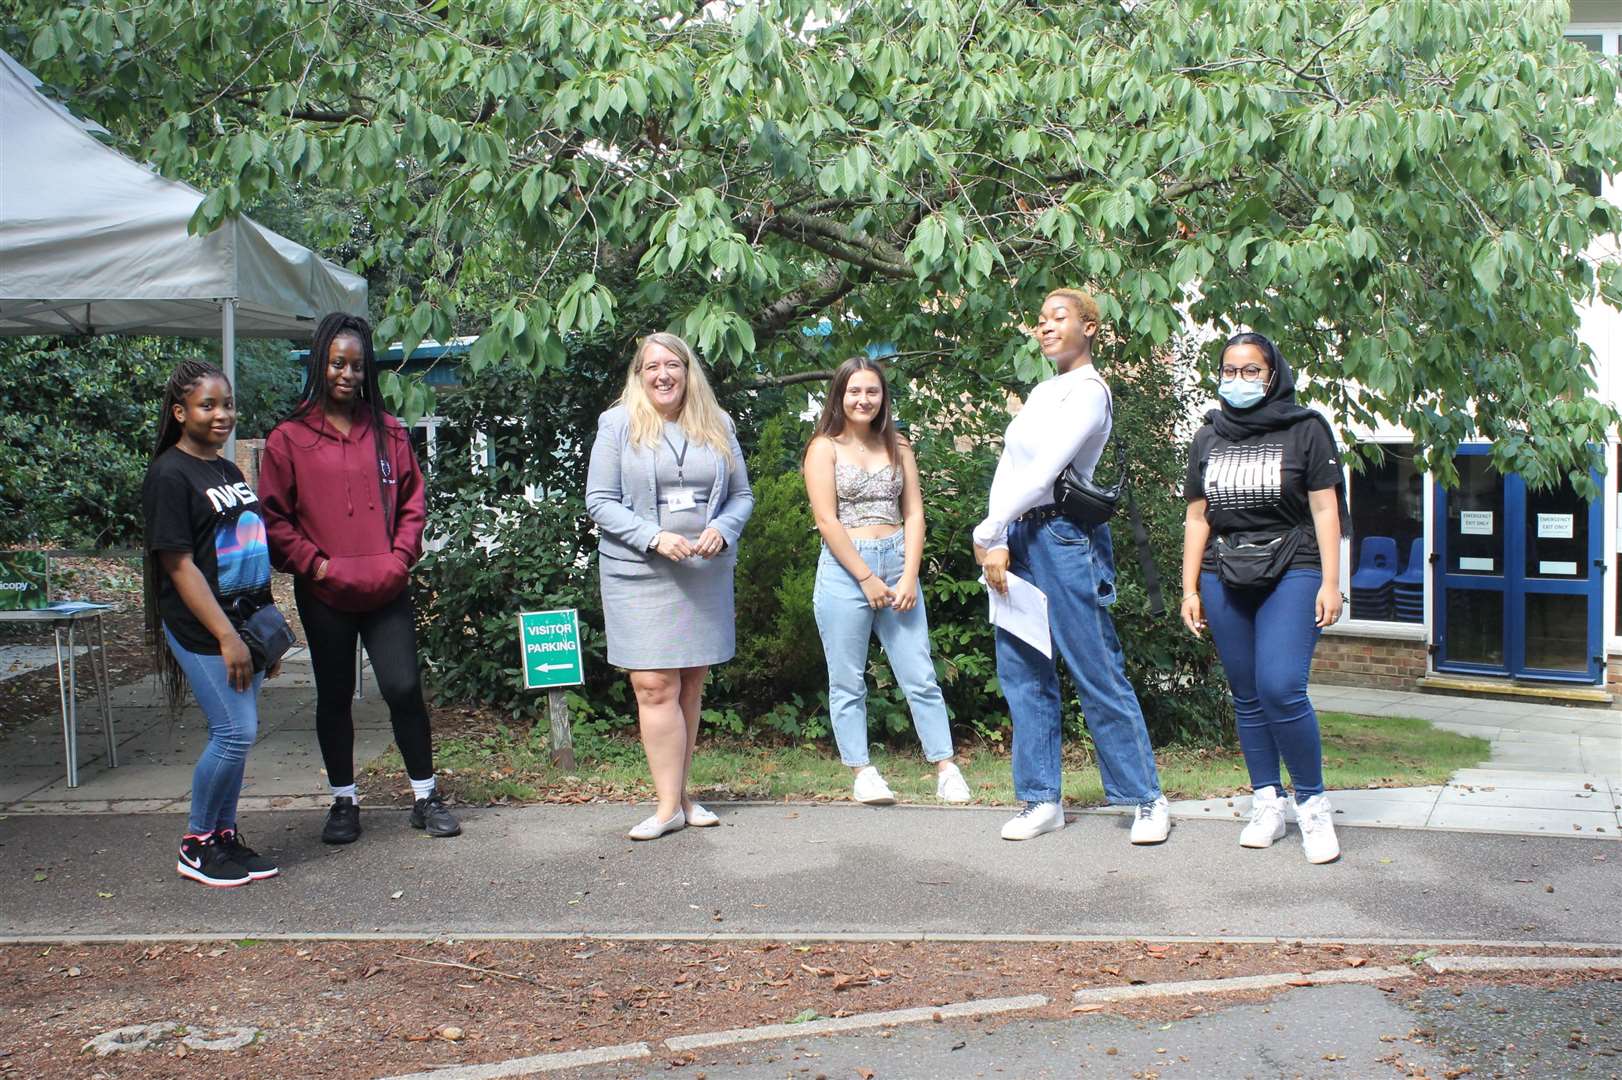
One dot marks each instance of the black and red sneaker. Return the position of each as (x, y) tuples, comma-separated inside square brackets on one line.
[(202, 859), (257, 866)]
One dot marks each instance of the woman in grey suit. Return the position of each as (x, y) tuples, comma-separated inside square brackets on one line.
[(669, 492)]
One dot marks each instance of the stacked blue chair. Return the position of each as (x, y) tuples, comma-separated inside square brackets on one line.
[(1408, 587), (1372, 585)]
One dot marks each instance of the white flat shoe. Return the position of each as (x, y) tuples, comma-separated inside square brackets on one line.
[(701, 818), (651, 828)]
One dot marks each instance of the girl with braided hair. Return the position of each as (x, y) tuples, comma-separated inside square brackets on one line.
[(345, 507), (205, 559)]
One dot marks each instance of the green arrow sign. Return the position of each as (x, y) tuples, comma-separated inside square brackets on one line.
[(550, 641)]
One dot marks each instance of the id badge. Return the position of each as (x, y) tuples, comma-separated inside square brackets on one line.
[(681, 499)]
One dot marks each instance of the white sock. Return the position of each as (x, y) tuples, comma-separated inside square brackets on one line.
[(421, 789), (346, 792)]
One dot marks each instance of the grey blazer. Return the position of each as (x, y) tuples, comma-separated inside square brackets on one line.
[(622, 490)]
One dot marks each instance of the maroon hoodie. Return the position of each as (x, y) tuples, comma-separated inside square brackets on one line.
[(319, 494)]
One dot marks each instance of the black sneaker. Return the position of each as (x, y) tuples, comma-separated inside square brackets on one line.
[(343, 822), (430, 814), (205, 861), (257, 866)]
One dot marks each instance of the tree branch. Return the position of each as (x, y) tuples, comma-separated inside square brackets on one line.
[(826, 288)]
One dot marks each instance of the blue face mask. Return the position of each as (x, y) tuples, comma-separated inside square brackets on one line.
[(1240, 393)]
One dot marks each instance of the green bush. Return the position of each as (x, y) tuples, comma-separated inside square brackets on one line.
[(77, 421), (503, 553)]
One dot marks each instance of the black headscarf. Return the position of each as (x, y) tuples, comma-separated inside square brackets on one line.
[(1276, 410)]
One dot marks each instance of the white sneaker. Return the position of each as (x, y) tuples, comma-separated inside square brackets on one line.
[(701, 818), (871, 789), (1036, 819), (950, 786), (1317, 821), (1266, 819), (651, 828), (1153, 823)]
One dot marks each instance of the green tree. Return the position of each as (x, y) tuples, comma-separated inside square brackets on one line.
[(1379, 184), (78, 417)]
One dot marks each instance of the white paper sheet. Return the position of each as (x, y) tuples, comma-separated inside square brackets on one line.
[(1023, 613)]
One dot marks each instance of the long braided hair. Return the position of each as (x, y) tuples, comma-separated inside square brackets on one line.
[(369, 406), (182, 381)]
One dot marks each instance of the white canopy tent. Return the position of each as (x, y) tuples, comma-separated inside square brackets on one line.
[(92, 242)]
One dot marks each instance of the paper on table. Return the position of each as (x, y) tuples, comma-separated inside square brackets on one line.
[(1023, 613)]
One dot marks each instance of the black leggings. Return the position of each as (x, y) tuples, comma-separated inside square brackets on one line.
[(390, 634)]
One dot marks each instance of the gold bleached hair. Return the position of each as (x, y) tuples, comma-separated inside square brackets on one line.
[(701, 415)]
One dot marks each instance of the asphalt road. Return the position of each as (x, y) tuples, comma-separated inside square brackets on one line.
[(818, 869), (1350, 1032)]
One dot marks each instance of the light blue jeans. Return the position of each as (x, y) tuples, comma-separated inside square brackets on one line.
[(233, 725), (847, 624), (1075, 567)]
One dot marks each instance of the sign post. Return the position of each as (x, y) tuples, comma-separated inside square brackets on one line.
[(549, 644)]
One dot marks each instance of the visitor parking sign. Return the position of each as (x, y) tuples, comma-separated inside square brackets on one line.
[(550, 641)]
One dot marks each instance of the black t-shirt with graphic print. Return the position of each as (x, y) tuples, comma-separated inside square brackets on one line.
[(1260, 484), (206, 509)]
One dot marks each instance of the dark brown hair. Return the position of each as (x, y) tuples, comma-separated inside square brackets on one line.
[(832, 421)]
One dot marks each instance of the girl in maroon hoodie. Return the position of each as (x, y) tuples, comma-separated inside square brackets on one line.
[(344, 508)]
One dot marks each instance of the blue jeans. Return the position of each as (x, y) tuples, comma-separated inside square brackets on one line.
[(1075, 567), (847, 624), (1266, 640), (233, 725)]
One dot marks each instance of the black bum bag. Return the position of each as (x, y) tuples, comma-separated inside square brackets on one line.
[(1255, 560)]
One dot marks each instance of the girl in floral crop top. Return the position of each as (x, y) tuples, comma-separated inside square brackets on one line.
[(862, 481)]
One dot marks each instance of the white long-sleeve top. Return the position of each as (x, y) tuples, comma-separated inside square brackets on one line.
[(1065, 421)]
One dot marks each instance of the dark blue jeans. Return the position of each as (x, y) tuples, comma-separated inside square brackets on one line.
[(1075, 567), (1266, 639)]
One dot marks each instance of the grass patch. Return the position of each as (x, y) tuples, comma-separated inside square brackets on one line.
[(496, 766)]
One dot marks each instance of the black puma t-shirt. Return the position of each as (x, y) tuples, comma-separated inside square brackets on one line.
[(206, 509), (1260, 484)]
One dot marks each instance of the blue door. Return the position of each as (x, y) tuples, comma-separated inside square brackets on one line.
[(1519, 577)]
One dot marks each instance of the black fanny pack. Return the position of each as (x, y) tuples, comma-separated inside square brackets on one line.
[(1255, 560), (266, 633), (1087, 504)]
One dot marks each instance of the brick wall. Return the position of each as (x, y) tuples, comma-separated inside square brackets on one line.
[(1343, 660)]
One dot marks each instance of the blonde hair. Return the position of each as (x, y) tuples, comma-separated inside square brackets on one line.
[(702, 417), (1086, 306)]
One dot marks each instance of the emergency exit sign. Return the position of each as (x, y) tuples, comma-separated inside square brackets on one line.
[(550, 641)]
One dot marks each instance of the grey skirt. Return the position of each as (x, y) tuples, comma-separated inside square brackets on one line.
[(660, 614)]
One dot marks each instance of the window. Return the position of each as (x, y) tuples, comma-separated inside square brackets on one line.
[(1388, 556)]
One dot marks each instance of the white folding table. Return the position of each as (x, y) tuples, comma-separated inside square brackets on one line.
[(66, 615)]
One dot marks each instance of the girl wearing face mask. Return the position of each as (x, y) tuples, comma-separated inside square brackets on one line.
[(862, 480), (1261, 570)]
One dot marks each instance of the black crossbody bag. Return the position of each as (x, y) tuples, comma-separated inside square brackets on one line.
[(1081, 501), (266, 633)]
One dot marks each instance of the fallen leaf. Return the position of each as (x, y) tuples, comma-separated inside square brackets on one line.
[(865, 1074), (1356, 961), (1299, 982), (1091, 1006)]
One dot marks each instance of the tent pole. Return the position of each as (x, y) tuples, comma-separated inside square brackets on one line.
[(228, 360)]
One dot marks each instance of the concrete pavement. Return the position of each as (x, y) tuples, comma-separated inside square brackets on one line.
[(1554, 769)]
